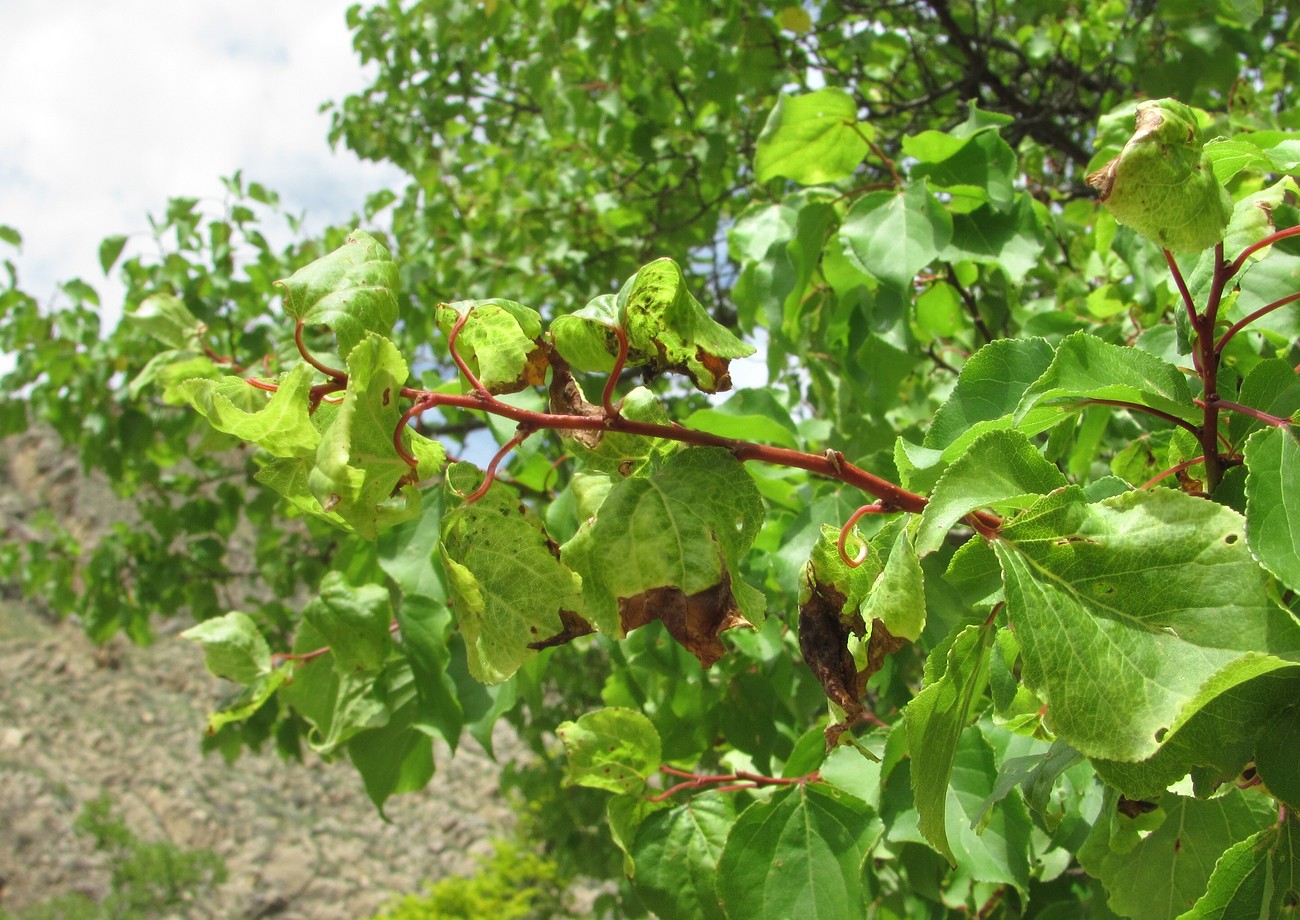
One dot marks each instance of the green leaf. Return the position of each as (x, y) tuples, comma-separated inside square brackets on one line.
[(353, 621), (973, 169), (613, 749), (351, 290), (812, 139), (936, 718), (1273, 502), (166, 318), (397, 756), (1134, 612), (991, 846), (1162, 185), (425, 626), (500, 342), (1275, 756), (1271, 386), (1000, 468), (11, 236), (894, 236), (358, 474), (110, 248), (897, 597), (1258, 877), (1162, 873), (798, 854), (232, 647), (1086, 368), (677, 853), (509, 590), (253, 698), (989, 388), (1229, 156), (668, 547), (278, 422)]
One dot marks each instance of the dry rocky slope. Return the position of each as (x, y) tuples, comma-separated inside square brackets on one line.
[(299, 840)]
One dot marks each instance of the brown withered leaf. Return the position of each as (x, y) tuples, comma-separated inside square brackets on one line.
[(574, 628), (567, 398), (694, 620), (823, 641)]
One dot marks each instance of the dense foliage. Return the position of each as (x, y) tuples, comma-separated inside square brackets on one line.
[(982, 601)]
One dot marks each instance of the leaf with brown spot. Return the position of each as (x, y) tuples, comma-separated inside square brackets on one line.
[(694, 620)]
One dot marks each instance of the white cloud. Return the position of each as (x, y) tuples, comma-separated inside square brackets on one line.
[(108, 109)]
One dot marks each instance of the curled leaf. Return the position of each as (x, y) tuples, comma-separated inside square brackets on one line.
[(1162, 184)]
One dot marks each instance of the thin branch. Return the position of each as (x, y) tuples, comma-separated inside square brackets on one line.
[(1253, 248), (1188, 304), (1138, 407), (1247, 320), (1264, 417), (1178, 468)]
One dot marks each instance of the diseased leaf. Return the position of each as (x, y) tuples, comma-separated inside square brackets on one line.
[(1162, 184), (350, 290), (500, 341), (666, 327), (1134, 612), (668, 547), (358, 474), (613, 749), (510, 591), (1163, 873)]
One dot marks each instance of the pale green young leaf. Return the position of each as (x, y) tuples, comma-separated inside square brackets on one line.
[(253, 698), (353, 621), (894, 236), (278, 422), (812, 139), (614, 749), (166, 318), (1229, 156), (1162, 185), (1001, 468), (1273, 502), (935, 719), (799, 854), (509, 590), (499, 340), (677, 853), (232, 647), (1134, 612), (351, 290), (1086, 368), (586, 337)]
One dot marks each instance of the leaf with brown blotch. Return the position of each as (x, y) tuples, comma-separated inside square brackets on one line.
[(823, 641), (575, 627), (694, 620)]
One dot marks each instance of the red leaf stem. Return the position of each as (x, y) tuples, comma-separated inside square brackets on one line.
[(1138, 407), (1253, 248), (876, 508), (332, 373), (480, 391), (490, 474), (1178, 468), (1275, 421), (1247, 320), (729, 782), (607, 395)]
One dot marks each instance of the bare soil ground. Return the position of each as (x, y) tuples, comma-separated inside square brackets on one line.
[(299, 840)]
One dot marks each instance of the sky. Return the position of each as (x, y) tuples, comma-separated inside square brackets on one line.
[(109, 109)]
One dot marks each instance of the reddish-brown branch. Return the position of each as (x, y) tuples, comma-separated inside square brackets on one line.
[(729, 782), (1275, 421), (1138, 407), (1177, 468), (1188, 304)]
